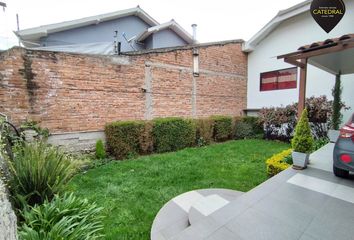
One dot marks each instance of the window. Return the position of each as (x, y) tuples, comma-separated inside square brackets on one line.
[(280, 79)]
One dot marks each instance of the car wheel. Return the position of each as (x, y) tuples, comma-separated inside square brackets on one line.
[(340, 172)]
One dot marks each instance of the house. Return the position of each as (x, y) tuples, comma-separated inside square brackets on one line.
[(126, 30), (272, 82)]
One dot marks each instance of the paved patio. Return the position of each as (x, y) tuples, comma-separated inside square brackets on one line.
[(311, 204)]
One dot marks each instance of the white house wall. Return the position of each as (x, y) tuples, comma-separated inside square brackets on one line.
[(288, 37)]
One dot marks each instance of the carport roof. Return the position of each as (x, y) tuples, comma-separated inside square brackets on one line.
[(334, 55)]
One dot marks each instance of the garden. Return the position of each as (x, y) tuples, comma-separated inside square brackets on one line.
[(118, 189)]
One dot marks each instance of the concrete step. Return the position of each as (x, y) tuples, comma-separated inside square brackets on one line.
[(189, 208)]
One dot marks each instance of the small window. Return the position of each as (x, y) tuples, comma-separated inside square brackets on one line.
[(280, 79)]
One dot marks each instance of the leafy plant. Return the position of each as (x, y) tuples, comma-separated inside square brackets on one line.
[(222, 128), (37, 172), (280, 122), (33, 125), (318, 143), (9, 136), (100, 151), (171, 134), (66, 217), (303, 140), (288, 159)]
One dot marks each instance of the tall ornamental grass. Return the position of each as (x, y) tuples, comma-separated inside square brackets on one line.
[(37, 172)]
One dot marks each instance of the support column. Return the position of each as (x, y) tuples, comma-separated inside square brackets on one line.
[(302, 88), (194, 97), (148, 94)]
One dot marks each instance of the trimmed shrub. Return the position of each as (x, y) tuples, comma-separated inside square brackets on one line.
[(66, 217), (204, 131), (243, 130), (222, 128), (37, 172), (303, 140), (278, 162), (145, 140), (100, 151), (247, 127), (123, 138), (256, 124), (171, 134)]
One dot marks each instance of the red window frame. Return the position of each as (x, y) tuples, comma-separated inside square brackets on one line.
[(278, 80)]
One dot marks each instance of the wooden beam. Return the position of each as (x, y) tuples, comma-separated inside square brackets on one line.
[(294, 62), (302, 89)]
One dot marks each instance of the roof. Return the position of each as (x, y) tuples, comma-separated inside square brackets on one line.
[(282, 15), (335, 55), (326, 43), (42, 31), (173, 25)]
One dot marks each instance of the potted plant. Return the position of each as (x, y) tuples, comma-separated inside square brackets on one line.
[(302, 142)]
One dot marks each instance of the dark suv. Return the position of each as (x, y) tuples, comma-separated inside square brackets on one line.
[(343, 153)]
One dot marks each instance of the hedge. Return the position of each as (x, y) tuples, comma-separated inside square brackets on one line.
[(247, 127), (222, 128), (123, 138), (204, 131), (171, 134), (277, 162), (130, 138)]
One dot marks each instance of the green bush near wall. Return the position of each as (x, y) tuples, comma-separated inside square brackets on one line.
[(204, 131), (171, 134), (222, 128), (247, 127), (129, 138), (100, 150), (123, 138)]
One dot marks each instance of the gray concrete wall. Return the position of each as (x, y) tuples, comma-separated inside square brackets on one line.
[(8, 221), (102, 32), (149, 42), (77, 141), (167, 38)]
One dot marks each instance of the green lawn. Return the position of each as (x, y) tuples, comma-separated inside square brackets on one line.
[(133, 191)]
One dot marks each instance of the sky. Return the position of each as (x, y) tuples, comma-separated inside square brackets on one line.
[(217, 20)]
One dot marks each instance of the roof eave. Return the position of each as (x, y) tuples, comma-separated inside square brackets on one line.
[(174, 26), (282, 15), (42, 31)]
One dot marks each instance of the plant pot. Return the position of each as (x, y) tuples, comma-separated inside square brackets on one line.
[(333, 135), (300, 160)]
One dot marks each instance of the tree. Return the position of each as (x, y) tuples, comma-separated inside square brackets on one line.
[(337, 103)]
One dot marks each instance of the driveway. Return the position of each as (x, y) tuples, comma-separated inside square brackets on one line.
[(311, 204)]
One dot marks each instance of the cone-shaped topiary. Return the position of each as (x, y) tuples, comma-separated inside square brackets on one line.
[(302, 140)]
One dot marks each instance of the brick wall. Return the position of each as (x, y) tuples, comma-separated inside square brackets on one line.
[(72, 92)]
